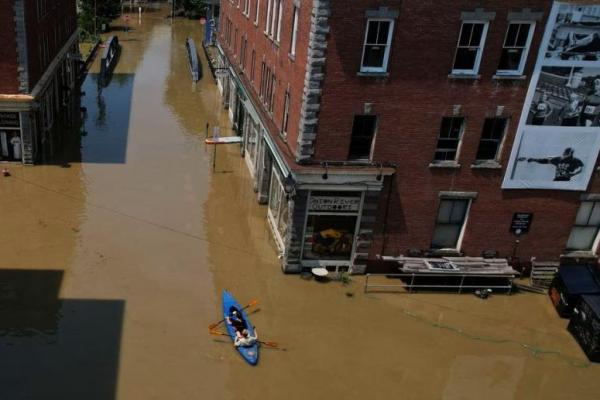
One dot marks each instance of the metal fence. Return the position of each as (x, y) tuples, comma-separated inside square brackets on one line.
[(409, 282)]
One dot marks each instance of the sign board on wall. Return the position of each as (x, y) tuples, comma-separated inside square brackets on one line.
[(520, 223), (9, 120), (558, 138), (334, 203)]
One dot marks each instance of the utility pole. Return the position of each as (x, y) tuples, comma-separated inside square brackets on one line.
[(172, 8)]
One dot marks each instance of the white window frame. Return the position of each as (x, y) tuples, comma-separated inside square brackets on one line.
[(481, 47), (294, 31), (268, 19), (286, 113), (525, 54), (388, 46), (278, 36), (458, 145), (257, 12), (463, 228), (594, 246), (275, 10)]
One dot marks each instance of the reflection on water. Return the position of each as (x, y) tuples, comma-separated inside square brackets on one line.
[(106, 123)]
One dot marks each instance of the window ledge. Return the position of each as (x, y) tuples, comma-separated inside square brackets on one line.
[(486, 165), (444, 164), (464, 76), (509, 77), (291, 57), (579, 254), (373, 74)]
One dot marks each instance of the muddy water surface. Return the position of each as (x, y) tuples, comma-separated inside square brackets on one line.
[(111, 271)]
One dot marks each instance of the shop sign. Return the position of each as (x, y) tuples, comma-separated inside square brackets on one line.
[(334, 203), (9, 120), (521, 223)]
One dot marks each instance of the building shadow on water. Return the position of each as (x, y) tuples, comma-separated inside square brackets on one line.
[(52, 348), (105, 127)]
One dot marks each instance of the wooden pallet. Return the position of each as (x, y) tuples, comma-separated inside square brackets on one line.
[(542, 273)]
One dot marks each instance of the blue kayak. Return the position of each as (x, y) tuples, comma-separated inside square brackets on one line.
[(249, 353)]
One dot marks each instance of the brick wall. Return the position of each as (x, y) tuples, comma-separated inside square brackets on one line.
[(8, 52), (57, 24), (410, 104), (289, 71)]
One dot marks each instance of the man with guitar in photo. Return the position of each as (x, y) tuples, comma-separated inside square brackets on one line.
[(567, 166)]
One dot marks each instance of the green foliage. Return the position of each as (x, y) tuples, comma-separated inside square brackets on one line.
[(194, 8), (104, 10)]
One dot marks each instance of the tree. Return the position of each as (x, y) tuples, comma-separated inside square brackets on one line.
[(104, 11), (194, 8)]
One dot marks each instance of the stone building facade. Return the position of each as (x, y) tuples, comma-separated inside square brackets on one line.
[(385, 127), (37, 77)]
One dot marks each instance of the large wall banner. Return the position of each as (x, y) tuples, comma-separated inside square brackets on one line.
[(558, 138)]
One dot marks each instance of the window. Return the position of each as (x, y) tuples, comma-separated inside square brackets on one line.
[(294, 32), (257, 12), (585, 230), (268, 19), (491, 138), (515, 49), (470, 47), (246, 9), (261, 90), (331, 225), (363, 131), (449, 139), (277, 32), (252, 65), (278, 212), (376, 47), (42, 7), (271, 96), (286, 112), (243, 46), (449, 223)]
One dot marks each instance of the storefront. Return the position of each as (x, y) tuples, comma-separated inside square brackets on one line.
[(278, 211), (332, 221), (11, 145)]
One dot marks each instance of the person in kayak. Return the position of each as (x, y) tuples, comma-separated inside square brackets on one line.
[(235, 319), (244, 339)]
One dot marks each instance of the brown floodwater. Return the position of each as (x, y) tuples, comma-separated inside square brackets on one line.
[(111, 270)]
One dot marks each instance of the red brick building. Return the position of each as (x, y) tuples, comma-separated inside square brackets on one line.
[(385, 127), (38, 73)]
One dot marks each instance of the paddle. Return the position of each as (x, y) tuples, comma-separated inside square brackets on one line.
[(268, 344), (213, 326)]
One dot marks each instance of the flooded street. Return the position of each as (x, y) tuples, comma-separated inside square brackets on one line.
[(112, 269)]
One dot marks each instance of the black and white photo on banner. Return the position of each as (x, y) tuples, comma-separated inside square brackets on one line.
[(576, 34), (550, 158), (566, 96)]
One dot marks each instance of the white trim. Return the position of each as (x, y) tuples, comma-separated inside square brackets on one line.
[(481, 46), (294, 39), (525, 54), (388, 46), (257, 14)]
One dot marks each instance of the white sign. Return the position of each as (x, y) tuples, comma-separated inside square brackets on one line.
[(558, 138), (334, 203)]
